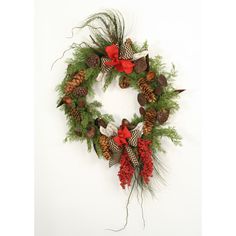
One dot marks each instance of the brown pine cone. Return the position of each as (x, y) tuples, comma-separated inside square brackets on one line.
[(104, 144), (75, 114), (147, 127), (140, 65), (146, 90), (149, 120), (93, 60), (151, 115), (78, 78), (81, 91), (124, 82)]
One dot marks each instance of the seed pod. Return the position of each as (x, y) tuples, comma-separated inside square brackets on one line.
[(150, 75), (179, 90), (142, 111), (78, 131), (141, 99), (91, 132), (158, 91), (100, 122), (162, 116), (162, 81), (140, 65), (125, 122)]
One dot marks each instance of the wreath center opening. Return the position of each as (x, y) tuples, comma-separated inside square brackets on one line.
[(121, 103)]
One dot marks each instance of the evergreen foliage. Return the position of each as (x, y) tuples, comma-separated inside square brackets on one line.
[(107, 28)]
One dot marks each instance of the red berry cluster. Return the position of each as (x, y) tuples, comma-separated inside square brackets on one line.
[(126, 170), (145, 154)]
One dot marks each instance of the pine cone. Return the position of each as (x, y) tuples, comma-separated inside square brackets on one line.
[(124, 82), (93, 60), (104, 144), (78, 78), (140, 65), (147, 127), (81, 91), (75, 114), (150, 119), (146, 90), (151, 115)]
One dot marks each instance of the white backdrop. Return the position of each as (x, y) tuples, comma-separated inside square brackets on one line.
[(76, 194)]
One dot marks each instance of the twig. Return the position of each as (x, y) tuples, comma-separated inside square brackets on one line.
[(127, 211)]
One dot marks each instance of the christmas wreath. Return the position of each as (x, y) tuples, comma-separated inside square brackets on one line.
[(134, 145)]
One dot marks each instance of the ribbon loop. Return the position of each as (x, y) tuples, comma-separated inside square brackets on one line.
[(118, 58), (124, 140)]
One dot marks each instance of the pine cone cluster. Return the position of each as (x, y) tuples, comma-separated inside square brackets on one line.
[(81, 91), (78, 78), (75, 113), (146, 90), (104, 144), (124, 82), (149, 120)]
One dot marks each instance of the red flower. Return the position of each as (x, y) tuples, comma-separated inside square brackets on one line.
[(123, 134), (145, 154)]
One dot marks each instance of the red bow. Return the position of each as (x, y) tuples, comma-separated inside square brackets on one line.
[(123, 134), (121, 65)]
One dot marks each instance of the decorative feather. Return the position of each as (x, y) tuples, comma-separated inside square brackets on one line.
[(106, 28)]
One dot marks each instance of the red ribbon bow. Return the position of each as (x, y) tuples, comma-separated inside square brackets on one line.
[(120, 64), (123, 134)]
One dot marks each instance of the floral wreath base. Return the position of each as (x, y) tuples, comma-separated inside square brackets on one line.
[(134, 145)]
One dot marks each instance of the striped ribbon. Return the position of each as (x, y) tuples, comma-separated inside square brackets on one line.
[(126, 53), (118, 150)]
